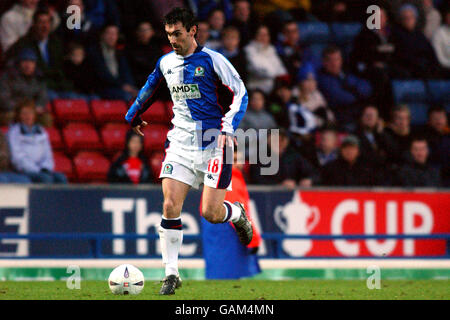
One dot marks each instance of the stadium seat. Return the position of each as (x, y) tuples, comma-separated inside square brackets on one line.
[(419, 114), (55, 138), (406, 91), (64, 164), (4, 129), (440, 91), (314, 32), (71, 110), (81, 136), (157, 113), (156, 162), (91, 167), (108, 111), (345, 33), (154, 137), (113, 136)]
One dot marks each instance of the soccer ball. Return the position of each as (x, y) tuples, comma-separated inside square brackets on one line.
[(126, 279)]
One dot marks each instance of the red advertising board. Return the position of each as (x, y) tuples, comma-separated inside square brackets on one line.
[(367, 213)]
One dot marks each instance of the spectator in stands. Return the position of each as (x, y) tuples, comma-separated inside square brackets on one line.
[(291, 52), (203, 8), (432, 19), (349, 169), (216, 20), (344, 91), (398, 135), (102, 13), (7, 175), (16, 22), (143, 53), (85, 34), (263, 62), (111, 67), (202, 35), (232, 51), (311, 98), (132, 13), (414, 55), (418, 172), (441, 39), (22, 82), (49, 49), (31, 153), (131, 166), (256, 118), (372, 59), (242, 20), (294, 170), (370, 133), (279, 100), (395, 5), (79, 72), (437, 133), (325, 152)]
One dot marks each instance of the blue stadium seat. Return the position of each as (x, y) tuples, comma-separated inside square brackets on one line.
[(314, 32), (439, 90), (418, 113), (344, 33), (406, 91)]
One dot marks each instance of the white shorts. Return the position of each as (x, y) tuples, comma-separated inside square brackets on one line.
[(196, 167)]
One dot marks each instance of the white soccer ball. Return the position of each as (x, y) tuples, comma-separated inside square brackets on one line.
[(126, 279)]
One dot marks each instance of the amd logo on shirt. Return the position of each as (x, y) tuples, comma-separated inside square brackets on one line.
[(185, 91)]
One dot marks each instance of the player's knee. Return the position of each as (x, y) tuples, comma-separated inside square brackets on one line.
[(212, 213), (171, 209)]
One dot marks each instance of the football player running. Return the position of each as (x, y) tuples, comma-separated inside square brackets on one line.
[(209, 97)]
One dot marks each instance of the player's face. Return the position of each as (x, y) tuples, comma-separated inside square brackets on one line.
[(180, 39)]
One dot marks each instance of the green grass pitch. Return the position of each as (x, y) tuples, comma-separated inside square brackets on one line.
[(240, 289)]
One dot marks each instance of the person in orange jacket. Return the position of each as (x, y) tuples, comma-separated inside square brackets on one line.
[(225, 257)]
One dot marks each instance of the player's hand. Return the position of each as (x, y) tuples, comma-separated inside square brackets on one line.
[(138, 128), (226, 139)]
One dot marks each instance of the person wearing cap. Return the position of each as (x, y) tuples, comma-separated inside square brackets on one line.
[(21, 83), (414, 54), (310, 97), (349, 169)]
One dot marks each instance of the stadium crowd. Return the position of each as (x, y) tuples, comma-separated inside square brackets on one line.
[(355, 106)]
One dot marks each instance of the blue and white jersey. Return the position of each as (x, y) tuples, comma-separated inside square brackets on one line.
[(206, 91)]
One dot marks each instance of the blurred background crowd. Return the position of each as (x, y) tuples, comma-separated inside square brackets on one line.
[(355, 106)]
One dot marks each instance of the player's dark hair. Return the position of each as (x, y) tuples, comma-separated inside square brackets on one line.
[(183, 15)]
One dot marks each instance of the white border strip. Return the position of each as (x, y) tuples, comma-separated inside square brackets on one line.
[(200, 263)]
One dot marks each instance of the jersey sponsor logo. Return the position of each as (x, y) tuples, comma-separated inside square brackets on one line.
[(199, 71), (185, 91)]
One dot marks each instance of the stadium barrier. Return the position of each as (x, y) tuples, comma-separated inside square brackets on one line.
[(121, 221)]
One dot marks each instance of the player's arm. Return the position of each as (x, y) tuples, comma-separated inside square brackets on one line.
[(231, 79), (144, 99)]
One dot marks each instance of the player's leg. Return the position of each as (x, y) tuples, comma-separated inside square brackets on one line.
[(216, 209), (170, 231)]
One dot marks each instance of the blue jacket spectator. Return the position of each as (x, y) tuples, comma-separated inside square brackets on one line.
[(114, 79), (344, 92), (102, 12), (6, 173), (31, 153)]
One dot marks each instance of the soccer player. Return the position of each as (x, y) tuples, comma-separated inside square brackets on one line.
[(208, 95)]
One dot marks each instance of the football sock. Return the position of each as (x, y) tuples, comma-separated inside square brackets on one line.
[(232, 212), (171, 236)]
